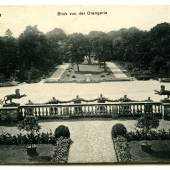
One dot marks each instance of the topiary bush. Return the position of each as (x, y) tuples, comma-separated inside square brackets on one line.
[(62, 131), (118, 130)]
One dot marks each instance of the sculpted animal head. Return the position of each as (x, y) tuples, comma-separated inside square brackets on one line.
[(162, 87), (17, 91)]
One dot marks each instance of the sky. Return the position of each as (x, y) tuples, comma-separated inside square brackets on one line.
[(16, 18)]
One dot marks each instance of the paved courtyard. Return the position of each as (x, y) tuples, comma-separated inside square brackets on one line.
[(92, 141)]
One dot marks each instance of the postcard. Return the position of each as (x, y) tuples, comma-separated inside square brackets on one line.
[(84, 84)]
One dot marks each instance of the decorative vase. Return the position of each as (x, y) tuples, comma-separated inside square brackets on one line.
[(32, 151), (146, 147)]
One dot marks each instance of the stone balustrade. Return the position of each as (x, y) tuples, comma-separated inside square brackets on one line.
[(114, 110)]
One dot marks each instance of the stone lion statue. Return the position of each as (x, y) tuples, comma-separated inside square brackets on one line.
[(10, 97), (163, 91)]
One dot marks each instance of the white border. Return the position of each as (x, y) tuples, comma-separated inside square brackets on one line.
[(85, 2)]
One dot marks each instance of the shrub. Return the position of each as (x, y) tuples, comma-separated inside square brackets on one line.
[(146, 123), (73, 76), (30, 125), (118, 130), (62, 131)]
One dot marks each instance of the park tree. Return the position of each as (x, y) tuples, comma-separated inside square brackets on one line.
[(160, 47), (8, 56), (8, 33), (100, 46), (33, 48), (56, 42), (75, 48)]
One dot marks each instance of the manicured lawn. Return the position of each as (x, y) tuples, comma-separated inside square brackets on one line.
[(160, 153), (87, 73), (17, 154), (85, 68)]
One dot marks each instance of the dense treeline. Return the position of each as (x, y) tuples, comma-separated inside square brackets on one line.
[(34, 54)]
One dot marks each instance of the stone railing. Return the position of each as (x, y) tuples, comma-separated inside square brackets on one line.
[(114, 110)]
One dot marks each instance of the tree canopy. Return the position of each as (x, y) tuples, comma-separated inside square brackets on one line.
[(37, 53)]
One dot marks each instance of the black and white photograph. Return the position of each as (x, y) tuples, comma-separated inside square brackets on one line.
[(84, 84)]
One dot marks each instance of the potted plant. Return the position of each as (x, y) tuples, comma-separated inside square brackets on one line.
[(30, 125), (146, 123)]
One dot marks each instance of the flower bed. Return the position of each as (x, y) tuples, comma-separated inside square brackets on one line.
[(152, 135), (61, 151), (122, 149)]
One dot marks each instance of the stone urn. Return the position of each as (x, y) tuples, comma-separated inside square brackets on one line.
[(146, 147), (32, 151)]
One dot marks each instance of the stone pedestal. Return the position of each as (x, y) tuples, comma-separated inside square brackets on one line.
[(8, 114), (11, 105), (114, 113), (166, 111)]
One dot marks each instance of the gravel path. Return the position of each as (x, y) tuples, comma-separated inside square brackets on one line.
[(92, 144), (59, 71), (116, 71)]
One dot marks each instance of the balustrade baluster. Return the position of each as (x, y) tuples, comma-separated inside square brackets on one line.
[(119, 110), (70, 110), (106, 109), (137, 110), (88, 110), (84, 110), (61, 110), (43, 113), (51, 111), (92, 112), (23, 112), (110, 109), (39, 112), (55, 110), (133, 109), (35, 111), (155, 108), (46, 112)]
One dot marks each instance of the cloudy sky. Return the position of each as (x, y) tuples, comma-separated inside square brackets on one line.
[(17, 18)]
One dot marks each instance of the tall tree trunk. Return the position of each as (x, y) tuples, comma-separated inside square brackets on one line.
[(89, 59), (105, 66), (78, 69)]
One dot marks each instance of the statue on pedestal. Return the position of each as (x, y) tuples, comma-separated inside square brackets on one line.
[(54, 101), (10, 97), (125, 99), (163, 92)]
